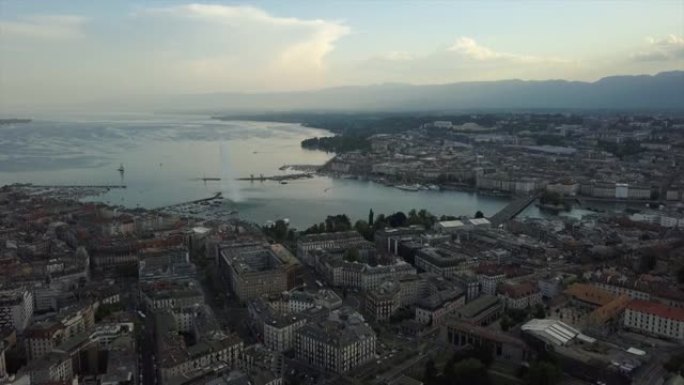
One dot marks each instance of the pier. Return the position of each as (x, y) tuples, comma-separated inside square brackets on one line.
[(277, 178), (262, 178), (104, 186), (512, 209), (302, 167), (218, 195)]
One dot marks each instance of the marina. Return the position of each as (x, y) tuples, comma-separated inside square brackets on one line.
[(418, 187), (70, 192)]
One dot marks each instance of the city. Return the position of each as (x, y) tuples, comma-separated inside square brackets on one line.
[(341, 192), (103, 294)]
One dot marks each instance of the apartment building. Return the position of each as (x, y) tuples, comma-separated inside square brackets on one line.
[(519, 295), (16, 308), (655, 319), (329, 241), (338, 344), (253, 270)]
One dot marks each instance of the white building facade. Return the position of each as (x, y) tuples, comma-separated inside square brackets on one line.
[(654, 318), (16, 308)]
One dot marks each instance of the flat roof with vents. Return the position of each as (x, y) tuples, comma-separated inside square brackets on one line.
[(554, 332)]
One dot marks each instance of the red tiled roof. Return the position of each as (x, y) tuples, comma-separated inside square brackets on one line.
[(518, 290), (610, 310), (657, 309), (590, 293)]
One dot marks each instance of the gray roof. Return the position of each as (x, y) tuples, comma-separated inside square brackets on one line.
[(440, 257), (343, 327), (478, 305), (436, 300)]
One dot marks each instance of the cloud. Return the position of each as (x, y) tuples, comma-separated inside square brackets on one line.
[(44, 27), (463, 60), (664, 49), (395, 56), (249, 40), (469, 48)]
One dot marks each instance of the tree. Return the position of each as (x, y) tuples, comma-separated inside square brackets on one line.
[(543, 373), (551, 198), (316, 229), (470, 371), (430, 374), (680, 275), (424, 214), (370, 217), (127, 270), (351, 255), (505, 323), (103, 311), (413, 218), (539, 311), (550, 140), (364, 229), (675, 364), (421, 217), (335, 223), (426, 218), (397, 219), (401, 315), (647, 262), (338, 143), (517, 315), (484, 353), (280, 229), (380, 222), (479, 214)]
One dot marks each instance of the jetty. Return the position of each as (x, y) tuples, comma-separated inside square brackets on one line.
[(277, 178), (262, 178), (218, 195), (102, 186), (302, 167)]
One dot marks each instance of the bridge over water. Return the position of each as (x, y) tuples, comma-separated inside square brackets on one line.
[(512, 209)]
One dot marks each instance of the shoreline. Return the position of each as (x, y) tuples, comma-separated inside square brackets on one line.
[(443, 187)]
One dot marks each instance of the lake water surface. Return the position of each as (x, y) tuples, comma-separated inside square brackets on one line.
[(164, 157)]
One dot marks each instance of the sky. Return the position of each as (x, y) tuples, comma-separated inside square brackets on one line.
[(69, 52)]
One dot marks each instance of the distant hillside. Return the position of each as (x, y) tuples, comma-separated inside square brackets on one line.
[(664, 91), (14, 121)]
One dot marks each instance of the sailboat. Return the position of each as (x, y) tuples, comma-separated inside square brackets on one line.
[(121, 168)]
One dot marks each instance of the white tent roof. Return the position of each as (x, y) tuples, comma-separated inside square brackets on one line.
[(553, 331)]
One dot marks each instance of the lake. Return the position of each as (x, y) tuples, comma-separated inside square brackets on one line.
[(165, 157)]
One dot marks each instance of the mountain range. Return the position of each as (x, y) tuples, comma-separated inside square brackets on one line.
[(663, 91)]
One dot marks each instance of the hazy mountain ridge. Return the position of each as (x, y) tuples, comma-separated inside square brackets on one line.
[(661, 91)]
